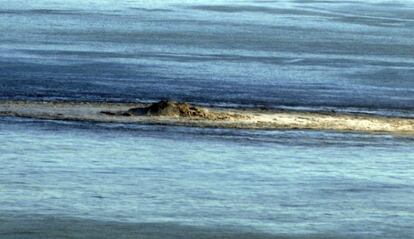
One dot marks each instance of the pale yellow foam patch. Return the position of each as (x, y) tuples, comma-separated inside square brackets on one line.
[(255, 119)]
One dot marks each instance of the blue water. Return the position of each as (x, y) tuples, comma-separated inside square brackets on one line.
[(88, 180), (340, 54)]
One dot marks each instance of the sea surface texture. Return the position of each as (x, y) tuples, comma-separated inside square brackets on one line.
[(352, 54), (296, 184), (90, 180)]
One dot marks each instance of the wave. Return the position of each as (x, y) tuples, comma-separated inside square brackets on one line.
[(56, 226)]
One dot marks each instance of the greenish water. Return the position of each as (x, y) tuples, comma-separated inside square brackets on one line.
[(277, 182)]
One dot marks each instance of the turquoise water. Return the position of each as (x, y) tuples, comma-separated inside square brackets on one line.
[(277, 182)]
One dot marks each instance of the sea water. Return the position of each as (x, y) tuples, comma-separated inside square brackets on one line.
[(89, 180), (279, 182), (355, 55)]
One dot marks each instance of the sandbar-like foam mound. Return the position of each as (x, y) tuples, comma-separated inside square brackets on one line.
[(185, 114)]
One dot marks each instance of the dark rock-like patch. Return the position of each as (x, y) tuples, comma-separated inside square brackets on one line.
[(170, 108)]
